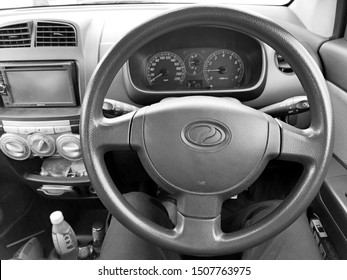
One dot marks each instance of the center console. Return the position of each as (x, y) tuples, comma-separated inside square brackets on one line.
[(39, 127), (26, 139)]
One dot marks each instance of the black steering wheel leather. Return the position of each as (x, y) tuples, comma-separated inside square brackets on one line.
[(244, 141)]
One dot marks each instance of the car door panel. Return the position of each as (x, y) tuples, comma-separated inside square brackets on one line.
[(331, 203)]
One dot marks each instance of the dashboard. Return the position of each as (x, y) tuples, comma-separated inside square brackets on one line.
[(48, 55), (210, 60)]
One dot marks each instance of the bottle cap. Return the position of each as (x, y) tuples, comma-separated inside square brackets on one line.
[(98, 232), (56, 217)]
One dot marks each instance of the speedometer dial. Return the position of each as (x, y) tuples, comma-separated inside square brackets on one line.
[(165, 69), (223, 69)]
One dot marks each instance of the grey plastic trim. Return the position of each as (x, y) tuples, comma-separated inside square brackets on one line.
[(334, 57), (339, 103), (71, 181), (333, 194), (337, 237)]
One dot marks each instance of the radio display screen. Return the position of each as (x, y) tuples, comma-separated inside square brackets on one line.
[(41, 86)]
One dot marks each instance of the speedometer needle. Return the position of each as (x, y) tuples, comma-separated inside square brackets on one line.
[(221, 70), (156, 77), (163, 72)]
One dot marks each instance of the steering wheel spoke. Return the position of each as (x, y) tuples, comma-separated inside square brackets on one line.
[(200, 206), (299, 145), (198, 218), (114, 133), (197, 231)]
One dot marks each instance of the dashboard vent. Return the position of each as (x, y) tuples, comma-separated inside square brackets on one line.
[(15, 36), (50, 34), (282, 65)]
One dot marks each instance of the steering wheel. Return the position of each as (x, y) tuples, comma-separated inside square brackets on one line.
[(204, 150)]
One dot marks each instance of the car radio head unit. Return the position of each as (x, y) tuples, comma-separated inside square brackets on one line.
[(41, 84)]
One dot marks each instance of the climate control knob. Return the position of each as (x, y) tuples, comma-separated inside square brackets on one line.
[(41, 144), (14, 146), (69, 146)]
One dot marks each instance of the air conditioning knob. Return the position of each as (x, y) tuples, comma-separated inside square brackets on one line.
[(14, 146), (41, 144), (69, 146)]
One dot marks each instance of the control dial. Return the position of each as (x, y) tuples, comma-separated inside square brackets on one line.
[(14, 146), (69, 146), (41, 144)]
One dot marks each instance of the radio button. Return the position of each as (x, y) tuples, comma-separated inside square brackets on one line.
[(26, 130), (45, 130), (10, 129), (61, 129)]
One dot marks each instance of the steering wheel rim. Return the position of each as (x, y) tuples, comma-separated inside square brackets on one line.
[(311, 147)]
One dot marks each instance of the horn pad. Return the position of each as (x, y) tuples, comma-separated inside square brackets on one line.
[(201, 145)]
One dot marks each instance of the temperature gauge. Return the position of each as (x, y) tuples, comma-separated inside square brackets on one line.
[(194, 64)]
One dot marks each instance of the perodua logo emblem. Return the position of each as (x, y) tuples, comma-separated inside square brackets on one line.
[(206, 135)]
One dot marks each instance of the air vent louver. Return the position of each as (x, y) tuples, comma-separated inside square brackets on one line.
[(282, 65), (15, 36), (50, 34)]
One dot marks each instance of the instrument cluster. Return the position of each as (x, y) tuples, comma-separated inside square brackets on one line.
[(195, 69), (198, 60)]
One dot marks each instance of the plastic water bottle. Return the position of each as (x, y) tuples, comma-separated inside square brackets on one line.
[(64, 238), (98, 233)]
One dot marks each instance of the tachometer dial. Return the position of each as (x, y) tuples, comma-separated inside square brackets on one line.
[(194, 64), (223, 69), (165, 69)]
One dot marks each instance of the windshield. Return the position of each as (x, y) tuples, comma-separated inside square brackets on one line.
[(11, 4)]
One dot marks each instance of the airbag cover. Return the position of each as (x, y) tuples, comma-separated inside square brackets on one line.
[(203, 144)]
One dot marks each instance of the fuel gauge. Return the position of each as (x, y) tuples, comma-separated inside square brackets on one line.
[(194, 64)]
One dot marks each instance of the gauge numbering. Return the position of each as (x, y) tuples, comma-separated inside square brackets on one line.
[(165, 68), (223, 68)]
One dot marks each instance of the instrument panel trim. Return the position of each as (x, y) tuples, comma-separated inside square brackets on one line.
[(141, 95)]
